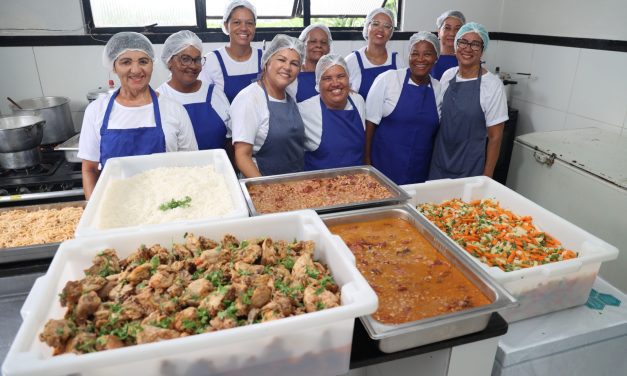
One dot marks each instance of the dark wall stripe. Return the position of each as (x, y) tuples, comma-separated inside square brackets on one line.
[(340, 35)]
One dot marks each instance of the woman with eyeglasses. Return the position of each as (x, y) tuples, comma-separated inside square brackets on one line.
[(206, 105), (365, 64), (474, 109), (236, 65), (134, 120), (268, 131), (402, 116), (317, 40), (448, 25)]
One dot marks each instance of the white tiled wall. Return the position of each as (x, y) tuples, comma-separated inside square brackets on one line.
[(569, 88)]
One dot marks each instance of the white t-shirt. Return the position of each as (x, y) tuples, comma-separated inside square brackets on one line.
[(212, 72), (311, 113), (354, 72), (491, 95), (219, 102), (179, 134), (386, 90), (250, 117)]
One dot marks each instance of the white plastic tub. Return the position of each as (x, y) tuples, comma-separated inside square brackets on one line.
[(316, 343), (540, 289), (121, 168)]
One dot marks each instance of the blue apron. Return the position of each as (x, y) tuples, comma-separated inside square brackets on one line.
[(459, 149), (283, 150), (234, 84), (342, 141), (134, 141), (306, 86), (444, 63), (403, 142), (369, 74), (208, 126)]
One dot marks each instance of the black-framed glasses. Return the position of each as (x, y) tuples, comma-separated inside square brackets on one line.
[(474, 45), (187, 60)]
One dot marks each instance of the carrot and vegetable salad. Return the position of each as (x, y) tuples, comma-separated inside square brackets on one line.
[(496, 236)]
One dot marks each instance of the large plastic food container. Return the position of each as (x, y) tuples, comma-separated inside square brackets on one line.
[(317, 343), (125, 167), (540, 289)]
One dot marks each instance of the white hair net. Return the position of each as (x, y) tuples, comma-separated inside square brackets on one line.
[(305, 33), (371, 15), (473, 27), (177, 42), (450, 13), (228, 9), (326, 62), (281, 42), (426, 36), (125, 41)]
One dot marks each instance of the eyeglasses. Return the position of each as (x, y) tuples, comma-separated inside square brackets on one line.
[(187, 60), (475, 45), (378, 24)]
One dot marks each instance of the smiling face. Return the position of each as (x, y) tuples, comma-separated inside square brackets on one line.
[(241, 26), (334, 87), (282, 69), (466, 56), (317, 45), (447, 33), (380, 29), (421, 60), (134, 69), (185, 75)]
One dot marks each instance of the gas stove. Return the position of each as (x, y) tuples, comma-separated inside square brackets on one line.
[(53, 180)]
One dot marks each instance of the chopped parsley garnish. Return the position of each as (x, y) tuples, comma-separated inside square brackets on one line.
[(173, 204)]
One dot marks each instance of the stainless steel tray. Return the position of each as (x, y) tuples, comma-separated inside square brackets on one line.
[(394, 338), (37, 251), (70, 148), (398, 194)]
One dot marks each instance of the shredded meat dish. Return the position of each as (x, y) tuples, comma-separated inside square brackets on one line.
[(316, 193), (411, 278), (196, 287)]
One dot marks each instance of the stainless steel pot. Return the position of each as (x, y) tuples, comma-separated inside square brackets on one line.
[(19, 133), (55, 111)]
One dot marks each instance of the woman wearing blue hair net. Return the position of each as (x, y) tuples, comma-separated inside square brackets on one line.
[(448, 25), (236, 65), (365, 64), (133, 120), (474, 108)]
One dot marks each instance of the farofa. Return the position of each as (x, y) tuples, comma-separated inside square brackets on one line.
[(20, 227)]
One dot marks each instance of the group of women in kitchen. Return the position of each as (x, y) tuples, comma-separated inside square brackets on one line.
[(295, 106)]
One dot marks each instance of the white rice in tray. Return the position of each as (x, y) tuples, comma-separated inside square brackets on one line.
[(137, 200)]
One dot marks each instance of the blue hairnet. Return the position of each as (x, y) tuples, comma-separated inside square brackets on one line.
[(371, 15), (228, 9), (125, 41), (450, 13), (281, 42), (473, 27), (426, 36), (326, 62), (177, 42)]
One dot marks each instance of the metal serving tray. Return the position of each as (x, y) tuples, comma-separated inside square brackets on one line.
[(70, 148), (37, 251), (398, 195), (394, 338)]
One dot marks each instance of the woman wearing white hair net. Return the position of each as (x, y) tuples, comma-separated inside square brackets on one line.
[(448, 25), (268, 131), (365, 64), (334, 119), (474, 108), (133, 120), (206, 105), (317, 40), (402, 116), (236, 65)]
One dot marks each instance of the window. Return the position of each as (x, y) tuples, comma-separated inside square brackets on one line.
[(206, 15)]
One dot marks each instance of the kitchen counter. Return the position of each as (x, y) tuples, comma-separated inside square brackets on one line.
[(16, 281)]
